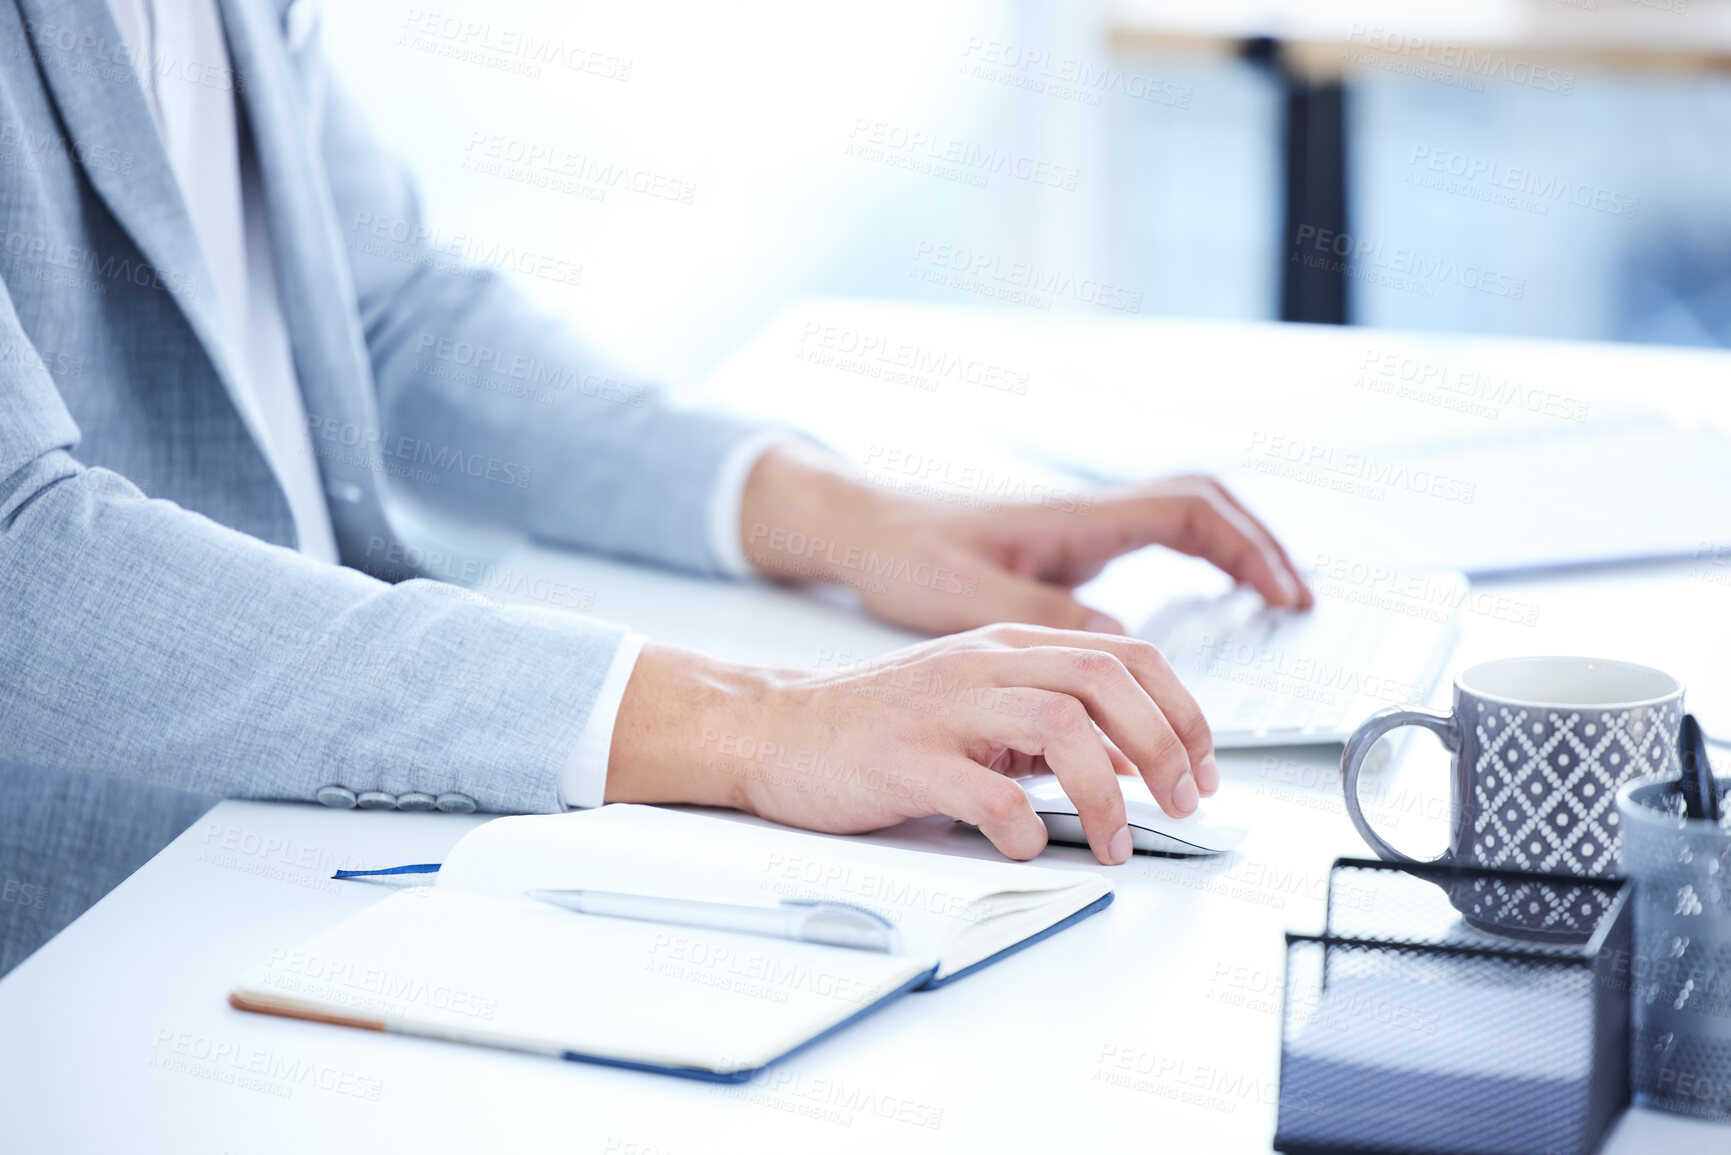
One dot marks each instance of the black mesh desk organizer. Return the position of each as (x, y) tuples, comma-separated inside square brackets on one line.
[(1408, 1031)]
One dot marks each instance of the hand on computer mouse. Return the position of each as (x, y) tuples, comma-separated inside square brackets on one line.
[(929, 729)]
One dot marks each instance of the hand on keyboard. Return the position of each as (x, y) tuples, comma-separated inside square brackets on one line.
[(943, 568)]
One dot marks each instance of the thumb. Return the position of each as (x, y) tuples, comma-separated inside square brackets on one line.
[(1007, 597)]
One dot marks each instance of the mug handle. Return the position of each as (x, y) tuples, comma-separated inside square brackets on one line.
[(1358, 746)]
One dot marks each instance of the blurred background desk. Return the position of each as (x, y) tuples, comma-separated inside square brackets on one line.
[(1316, 48), (1161, 163), (1666, 34)]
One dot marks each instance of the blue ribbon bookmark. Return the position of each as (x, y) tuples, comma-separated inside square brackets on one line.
[(417, 868)]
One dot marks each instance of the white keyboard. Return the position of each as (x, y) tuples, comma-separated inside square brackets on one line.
[(1269, 677)]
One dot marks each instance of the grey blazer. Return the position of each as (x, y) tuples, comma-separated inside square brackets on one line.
[(161, 643)]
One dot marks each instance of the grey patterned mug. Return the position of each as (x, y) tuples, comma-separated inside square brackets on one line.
[(1541, 746)]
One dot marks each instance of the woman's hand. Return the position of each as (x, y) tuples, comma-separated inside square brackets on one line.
[(930, 729)]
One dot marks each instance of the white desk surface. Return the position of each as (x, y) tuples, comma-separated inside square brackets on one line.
[(1181, 392), (116, 1035)]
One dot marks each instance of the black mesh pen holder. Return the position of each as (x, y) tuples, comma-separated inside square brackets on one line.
[(1408, 1030)]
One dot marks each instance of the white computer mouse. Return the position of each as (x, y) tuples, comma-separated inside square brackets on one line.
[(1151, 830)]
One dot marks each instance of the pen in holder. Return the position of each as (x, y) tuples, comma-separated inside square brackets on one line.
[(1681, 969)]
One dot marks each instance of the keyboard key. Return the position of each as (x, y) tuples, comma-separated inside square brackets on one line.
[(1232, 652)]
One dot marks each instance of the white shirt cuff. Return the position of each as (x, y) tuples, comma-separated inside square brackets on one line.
[(583, 778), (728, 496)]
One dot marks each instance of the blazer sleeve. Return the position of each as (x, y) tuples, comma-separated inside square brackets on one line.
[(140, 640), (461, 356)]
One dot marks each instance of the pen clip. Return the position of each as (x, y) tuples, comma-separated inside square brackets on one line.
[(831, 904), (1700, 788), (845, 924)]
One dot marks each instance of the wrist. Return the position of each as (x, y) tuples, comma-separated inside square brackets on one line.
[(683, 721), (804, 514)]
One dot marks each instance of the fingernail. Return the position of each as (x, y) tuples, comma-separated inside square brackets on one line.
[(1288, 586), (1207, 775), (1184, 796), (1118, 850)]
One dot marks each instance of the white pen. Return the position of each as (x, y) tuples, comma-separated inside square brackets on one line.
[(829, 923)]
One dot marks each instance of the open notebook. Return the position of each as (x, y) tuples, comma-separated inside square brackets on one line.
[(471, 960)]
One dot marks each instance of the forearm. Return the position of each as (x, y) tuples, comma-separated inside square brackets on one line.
[(492, 412), (681, 710), (146, 642), (806, 516)]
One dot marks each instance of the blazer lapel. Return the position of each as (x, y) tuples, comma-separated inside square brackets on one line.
[(103, 107)]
